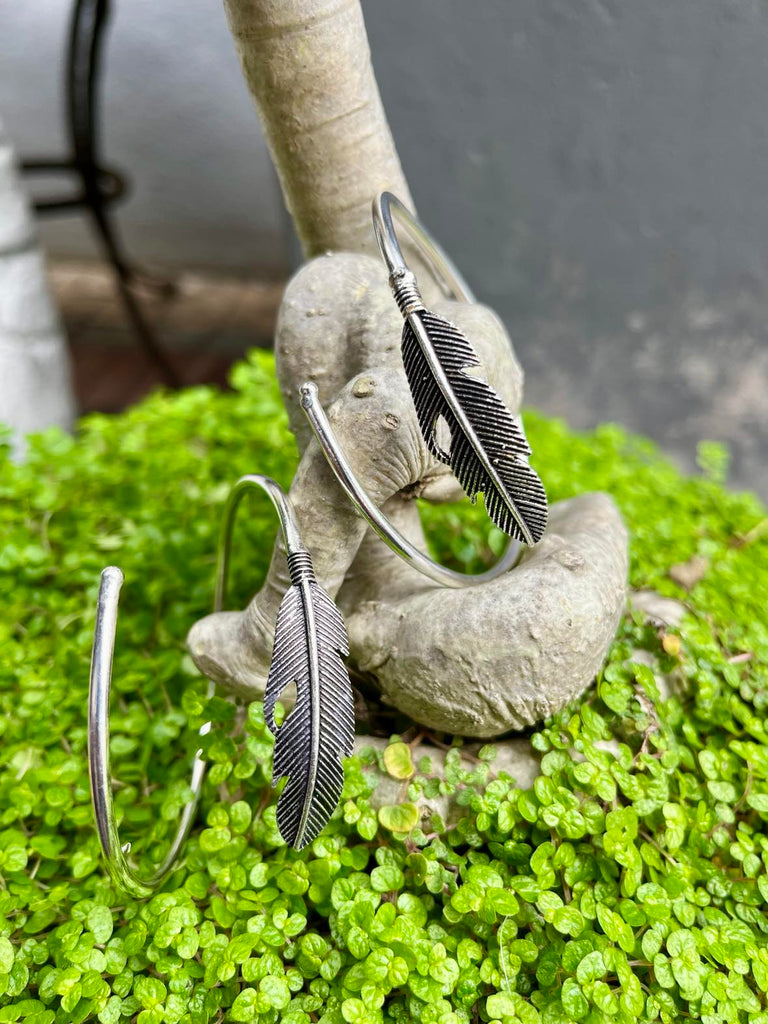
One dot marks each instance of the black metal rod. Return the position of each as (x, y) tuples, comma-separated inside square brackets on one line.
[(99, 186)]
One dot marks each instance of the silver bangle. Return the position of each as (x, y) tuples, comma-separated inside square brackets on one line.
[(376, 519), (443, 269), (488, 450), (115, 853)]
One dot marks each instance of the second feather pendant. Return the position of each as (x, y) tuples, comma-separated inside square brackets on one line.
[(310, 643)]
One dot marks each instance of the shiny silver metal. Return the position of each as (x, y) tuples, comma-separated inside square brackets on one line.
[(387, 209), (376, 519), (488, 451), (308, 653), (443, 269), (115, 853)]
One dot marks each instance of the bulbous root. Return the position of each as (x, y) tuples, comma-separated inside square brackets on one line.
[(480, 661)]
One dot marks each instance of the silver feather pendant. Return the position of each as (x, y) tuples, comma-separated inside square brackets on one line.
[(310, 643), (488, 451)]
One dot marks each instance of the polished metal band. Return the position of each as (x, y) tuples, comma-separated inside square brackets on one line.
[(115, 853), (376, 519), (386, 209)]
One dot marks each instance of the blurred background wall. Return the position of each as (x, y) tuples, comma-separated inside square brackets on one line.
[(597, 168), (177, 118)]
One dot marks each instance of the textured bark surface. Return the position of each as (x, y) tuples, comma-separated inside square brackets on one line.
[(35, 384), (307, 65), (512, 651)]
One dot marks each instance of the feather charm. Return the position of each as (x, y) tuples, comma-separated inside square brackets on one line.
[(310, 643), (488, 452)]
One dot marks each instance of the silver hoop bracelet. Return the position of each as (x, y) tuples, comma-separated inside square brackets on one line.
[(488, 450), (376, 519), (311, 656), (442, 267)]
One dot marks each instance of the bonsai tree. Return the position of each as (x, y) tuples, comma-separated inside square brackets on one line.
[(482, 661)]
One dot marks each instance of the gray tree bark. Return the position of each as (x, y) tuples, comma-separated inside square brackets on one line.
[(35, 381), (308, 67)]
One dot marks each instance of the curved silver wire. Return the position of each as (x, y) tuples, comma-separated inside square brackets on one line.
[(445, 272), (376, 519), (115, 854)]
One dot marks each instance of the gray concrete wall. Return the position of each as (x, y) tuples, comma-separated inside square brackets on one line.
[(597, 168), (605, 151)]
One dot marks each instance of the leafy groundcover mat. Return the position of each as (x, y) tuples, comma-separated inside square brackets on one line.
[(629, 883)]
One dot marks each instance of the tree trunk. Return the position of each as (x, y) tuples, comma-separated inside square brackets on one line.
[(308, 67)]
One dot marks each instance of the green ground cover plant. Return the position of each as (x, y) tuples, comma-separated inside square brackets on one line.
[(629, 883)]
